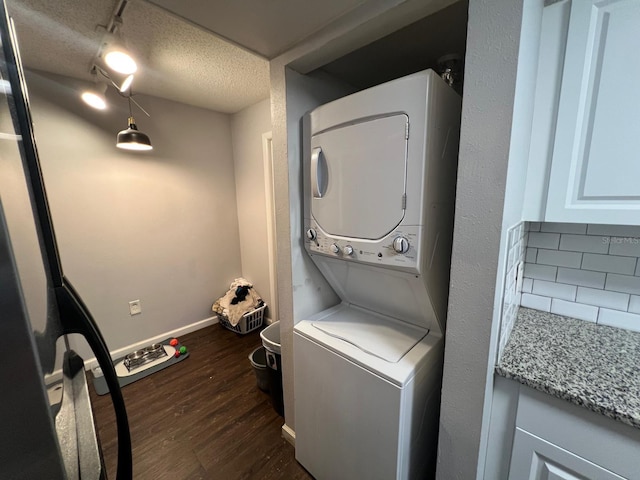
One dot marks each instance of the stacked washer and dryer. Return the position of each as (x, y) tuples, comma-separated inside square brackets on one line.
[(380, 170)]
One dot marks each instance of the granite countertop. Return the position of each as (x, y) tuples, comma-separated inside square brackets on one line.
[(594, 366)]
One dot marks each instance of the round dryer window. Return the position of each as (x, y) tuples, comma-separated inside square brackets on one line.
[(358, 176)]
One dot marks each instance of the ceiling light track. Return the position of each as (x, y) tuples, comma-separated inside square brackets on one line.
[(116, 67), (116, 17)]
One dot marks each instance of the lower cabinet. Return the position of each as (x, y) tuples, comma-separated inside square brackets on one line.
[(536, 436), (535, 458)]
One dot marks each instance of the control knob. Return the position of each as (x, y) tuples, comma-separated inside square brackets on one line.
[(348, 250), (335, 248), (401, 244), (311, 234)]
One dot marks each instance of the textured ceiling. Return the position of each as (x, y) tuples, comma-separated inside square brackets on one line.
[(266, 27), (413, 48), (176, 59)]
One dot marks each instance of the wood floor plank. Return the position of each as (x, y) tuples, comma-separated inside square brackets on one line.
[(203, 418)]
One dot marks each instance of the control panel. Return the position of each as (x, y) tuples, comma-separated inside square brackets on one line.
[(398, 249)]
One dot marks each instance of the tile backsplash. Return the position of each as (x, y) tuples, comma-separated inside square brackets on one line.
[(516, 243), (590, 272)]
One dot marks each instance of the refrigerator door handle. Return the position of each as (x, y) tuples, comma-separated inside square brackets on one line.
[(75, 318)]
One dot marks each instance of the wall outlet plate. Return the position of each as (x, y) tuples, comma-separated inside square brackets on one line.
[(135, 307)]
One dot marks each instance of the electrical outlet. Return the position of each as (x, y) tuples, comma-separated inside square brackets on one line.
[(135, 307)]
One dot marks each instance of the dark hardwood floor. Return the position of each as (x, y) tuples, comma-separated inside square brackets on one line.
[(203, 418)]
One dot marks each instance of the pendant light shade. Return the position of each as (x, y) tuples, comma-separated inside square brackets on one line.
[(133, 139)]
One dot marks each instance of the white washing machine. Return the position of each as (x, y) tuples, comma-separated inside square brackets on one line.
[(379, 169)]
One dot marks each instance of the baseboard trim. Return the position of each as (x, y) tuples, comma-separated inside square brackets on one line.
[(92, 362), (289, 434)]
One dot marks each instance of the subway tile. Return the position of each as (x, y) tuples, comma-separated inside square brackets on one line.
[(527, 285), (513, 237), (623, 283), (602, 298), (509, 294), (533, 226), (608, 263), (574, 310), (536, 302), (638, 269), (559, 258), (531, 255), (627, 246), (634, 304), (544, 240), (614, 230), (577, 228), (628, 321), (505, 313), (511, 258), (584, 243), (555, 290), (584, 278), (540, 272)]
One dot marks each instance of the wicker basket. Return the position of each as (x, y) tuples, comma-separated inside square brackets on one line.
[(249, 321)]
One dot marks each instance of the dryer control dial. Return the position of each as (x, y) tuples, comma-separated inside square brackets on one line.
[(335, 248), (348, 250), (311, 234), (401, 244)]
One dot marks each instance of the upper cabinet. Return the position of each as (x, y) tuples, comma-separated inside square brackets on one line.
[(584, 163)]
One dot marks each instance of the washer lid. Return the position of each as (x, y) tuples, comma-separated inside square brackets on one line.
[(358, 177), (380, 336)]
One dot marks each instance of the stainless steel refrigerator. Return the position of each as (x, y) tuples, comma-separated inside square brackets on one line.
[(44, 436)]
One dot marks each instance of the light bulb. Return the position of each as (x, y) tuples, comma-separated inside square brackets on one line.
[(134, 146), (120, 61), (94, 99), (126, 83)]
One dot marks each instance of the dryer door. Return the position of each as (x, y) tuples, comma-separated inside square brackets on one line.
[(358, 177)]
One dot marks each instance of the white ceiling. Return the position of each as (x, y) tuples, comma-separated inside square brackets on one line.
[(203, 52), (265, 27), (177, 60)]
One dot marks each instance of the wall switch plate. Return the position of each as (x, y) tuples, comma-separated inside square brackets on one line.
[(135, 307)]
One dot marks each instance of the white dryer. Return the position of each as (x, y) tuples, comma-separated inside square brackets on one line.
[(379, 169)]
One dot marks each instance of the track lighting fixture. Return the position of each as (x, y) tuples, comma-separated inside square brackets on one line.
[(121, 81), (117, 57), (114, 63), (94, 96), (131, 138)]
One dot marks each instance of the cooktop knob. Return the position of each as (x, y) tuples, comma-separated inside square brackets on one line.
[(401, 244), (311, 234), (348, 250), (335, 248)]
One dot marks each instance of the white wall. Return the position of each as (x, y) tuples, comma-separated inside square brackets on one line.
[(485, 143), (159, 226), (302, 290), (247, 127)]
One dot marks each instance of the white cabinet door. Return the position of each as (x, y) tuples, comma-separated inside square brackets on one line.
[(595, 171), (536, 459)]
